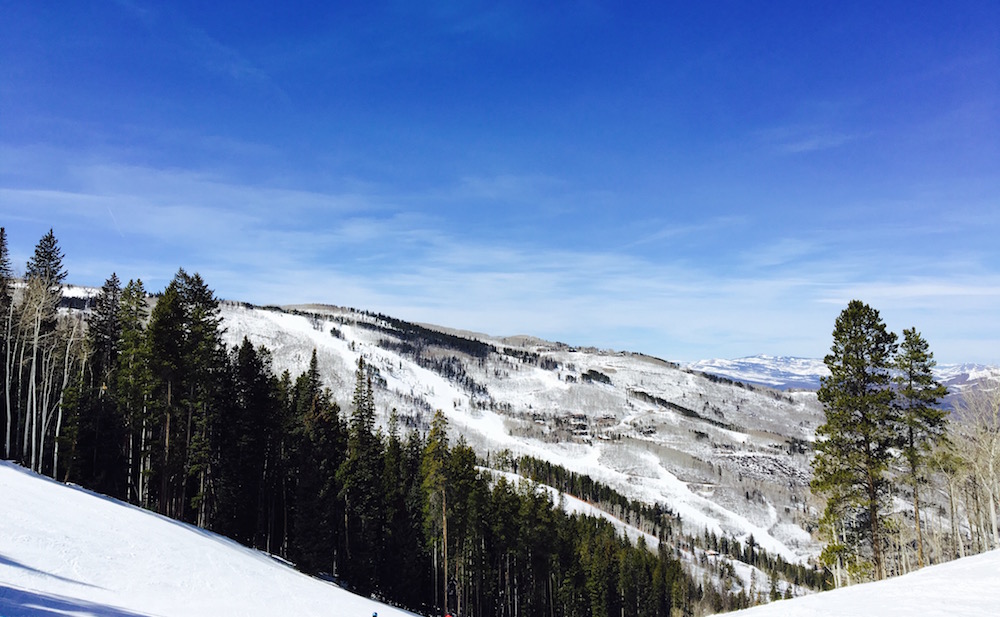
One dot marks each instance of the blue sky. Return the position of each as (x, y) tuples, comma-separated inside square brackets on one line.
[(713, 179)]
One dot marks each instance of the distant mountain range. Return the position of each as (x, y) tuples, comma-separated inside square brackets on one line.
[(790, 373)]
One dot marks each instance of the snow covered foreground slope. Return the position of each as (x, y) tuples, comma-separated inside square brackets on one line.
[(66, 551), (968, 587)]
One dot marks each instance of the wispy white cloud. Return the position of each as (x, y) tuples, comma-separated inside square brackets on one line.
[(364, 249), (802, 139), (659, 231), (507, 187)]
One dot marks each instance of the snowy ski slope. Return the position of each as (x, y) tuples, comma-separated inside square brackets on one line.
[(67, 551)]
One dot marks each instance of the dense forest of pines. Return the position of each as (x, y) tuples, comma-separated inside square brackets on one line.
[(137, 397)]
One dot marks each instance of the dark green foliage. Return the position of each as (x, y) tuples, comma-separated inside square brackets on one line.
[(595, 376), (402, 547), (133, 384), (247, 439), (318, 439), (924, 422), (166, 333), (46, 264), (360, 479), (684, 411), (97, 432), (854, 446), (918, 396), (418, 338)]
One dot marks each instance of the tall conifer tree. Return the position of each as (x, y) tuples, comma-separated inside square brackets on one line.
[(924, 422), (166, 335), (360, 478), (855, 444), (134, 387), (46, 262), (98, 428), (433, 471)]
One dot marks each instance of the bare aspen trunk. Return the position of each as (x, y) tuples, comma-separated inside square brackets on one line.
[(165, 470), (32, 411), (956, 538), (22, 410), (202, 519), (129, 466), (876, 530), (144, 464), (9, 353), (989, 480), (48, 379), (916, 517), (62, 390), (991, 497)]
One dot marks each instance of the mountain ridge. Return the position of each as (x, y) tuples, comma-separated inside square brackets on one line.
[(791, 372), (707, 449)]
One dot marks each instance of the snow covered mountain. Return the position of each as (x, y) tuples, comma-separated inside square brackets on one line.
[(781, 372), (729, 458), (786, 373)]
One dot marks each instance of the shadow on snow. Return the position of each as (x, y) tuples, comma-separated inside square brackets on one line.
[(16, 602)]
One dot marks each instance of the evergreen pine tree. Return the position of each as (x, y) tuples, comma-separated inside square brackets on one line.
[(433, 471), (360, 478), (402, 571), (166, 335), (318, 510), (204, 374), (104, 331), (134, 387), (98, 431), (244, 446), (46, 265), (855, 444), (924, 423)]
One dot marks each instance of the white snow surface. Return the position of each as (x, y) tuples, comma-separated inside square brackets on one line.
[(968, 587), (67, 551)]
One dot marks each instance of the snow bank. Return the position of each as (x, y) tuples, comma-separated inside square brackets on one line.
[(67, 551), (968, 587)]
